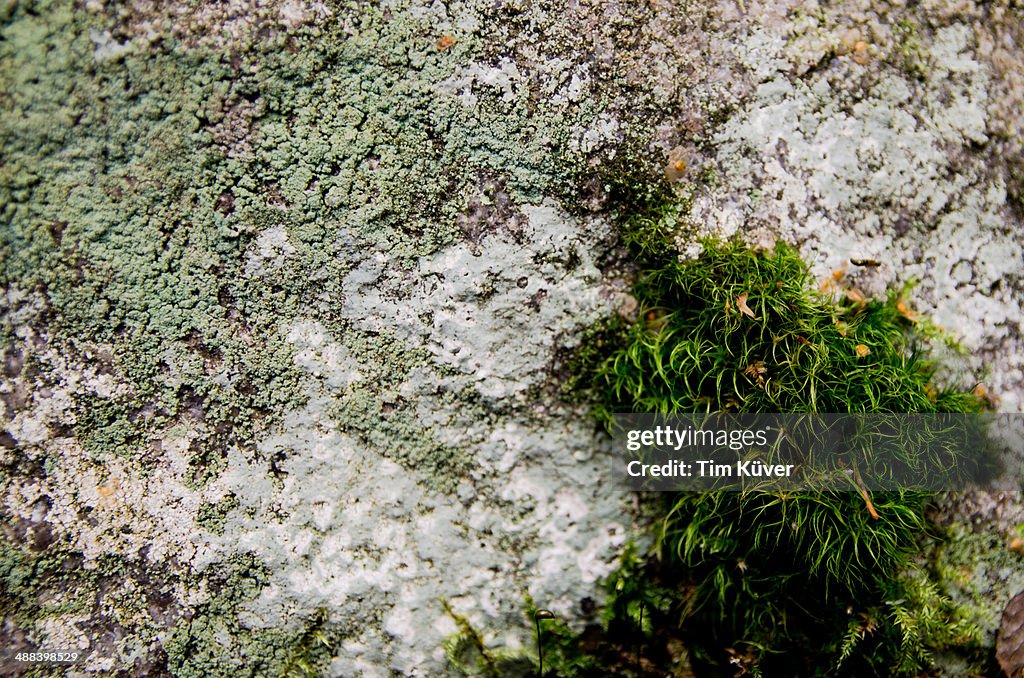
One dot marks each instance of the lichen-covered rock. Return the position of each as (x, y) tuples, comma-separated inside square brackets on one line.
[(284, 284)]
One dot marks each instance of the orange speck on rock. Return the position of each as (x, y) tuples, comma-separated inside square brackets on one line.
[(860, 52), (680, 159), (849, 39), (444, 42)]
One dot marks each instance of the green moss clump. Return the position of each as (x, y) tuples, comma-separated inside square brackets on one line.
[(781, 583), (739, 330), (797, 583)]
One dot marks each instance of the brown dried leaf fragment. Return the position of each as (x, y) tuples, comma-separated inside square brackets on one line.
[(1010, 640), (756, 371), (741, 304), (856, 297), (905, 311), (982, 393)]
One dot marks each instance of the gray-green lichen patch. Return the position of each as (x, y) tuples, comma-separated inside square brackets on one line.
[(241, 286), (120, 609), (979, 572)]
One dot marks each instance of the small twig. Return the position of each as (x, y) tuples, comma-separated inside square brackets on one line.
[(864, 493)]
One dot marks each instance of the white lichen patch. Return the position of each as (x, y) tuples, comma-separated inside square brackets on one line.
[(270, 252), (502, 80), (537, 511), (349, 529), (472, 309), (880, 166)]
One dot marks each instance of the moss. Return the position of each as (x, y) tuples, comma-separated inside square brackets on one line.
[(649, 210), (467, 653), (800, 583), (312, 650), (762, 583), (636, 634)]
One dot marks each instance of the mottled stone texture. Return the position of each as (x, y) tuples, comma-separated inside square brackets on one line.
[(284, 287)]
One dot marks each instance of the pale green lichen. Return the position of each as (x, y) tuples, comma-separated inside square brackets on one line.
[(137, 237), (48, 588), (215, 642), (137, 605), (981, 574), (143, 177), (121, 237)]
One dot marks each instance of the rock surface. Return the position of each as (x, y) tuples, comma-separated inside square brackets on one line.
[(285, 285)]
